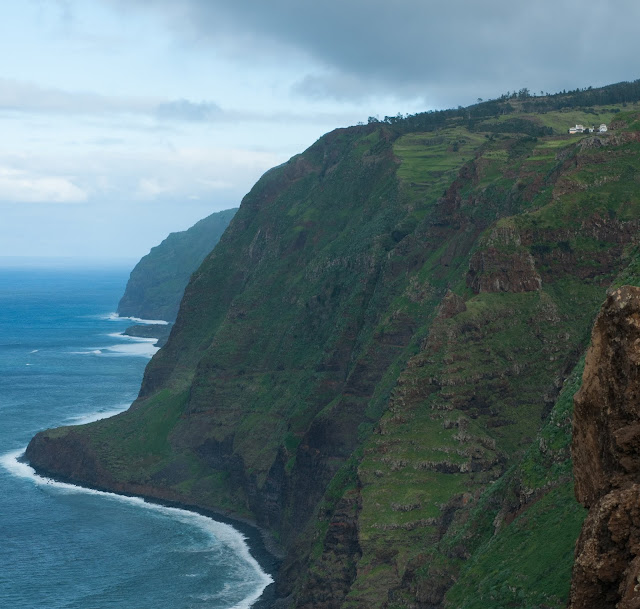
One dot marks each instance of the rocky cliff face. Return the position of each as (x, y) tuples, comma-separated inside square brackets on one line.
[(606, 453), (502, 264)]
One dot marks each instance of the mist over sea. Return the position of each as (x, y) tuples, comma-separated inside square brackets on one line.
[(63, 361)]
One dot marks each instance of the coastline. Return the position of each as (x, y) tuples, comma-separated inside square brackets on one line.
[(261, 545)]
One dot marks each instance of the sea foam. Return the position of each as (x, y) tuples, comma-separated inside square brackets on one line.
[(140, 349), (138, 320), (218, 532), (130, 346), (91, 417)]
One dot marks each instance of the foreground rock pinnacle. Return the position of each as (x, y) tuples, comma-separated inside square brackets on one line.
[(606, 454)]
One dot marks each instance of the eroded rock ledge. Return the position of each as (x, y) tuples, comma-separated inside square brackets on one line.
[(606, 453)]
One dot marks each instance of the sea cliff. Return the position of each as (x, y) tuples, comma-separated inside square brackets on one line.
[(157, 282), (377, 361)]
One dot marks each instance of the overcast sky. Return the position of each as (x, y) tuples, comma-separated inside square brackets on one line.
[(124, 120)]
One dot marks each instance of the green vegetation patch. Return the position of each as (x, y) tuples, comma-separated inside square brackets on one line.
[(529, 564), (430, 161)]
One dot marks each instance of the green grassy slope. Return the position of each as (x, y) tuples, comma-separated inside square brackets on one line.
[(375, 363)]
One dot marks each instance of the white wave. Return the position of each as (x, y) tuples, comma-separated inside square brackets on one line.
[(34, 351), (96, 416), (218, 531), (122, 335), (138, 320), (131, 346), (141, 349)]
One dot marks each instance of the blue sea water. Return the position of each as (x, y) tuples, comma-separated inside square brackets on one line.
[(63, 361)]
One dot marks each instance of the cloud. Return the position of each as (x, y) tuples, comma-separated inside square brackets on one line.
[(150, 188), (345, 87), (107, 141), (19, 186), (193, 173), (189, 111), (156, 187), (420, 47), (27, 97)]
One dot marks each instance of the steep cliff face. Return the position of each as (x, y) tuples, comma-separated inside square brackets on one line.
[(606, 453), (502, 264), (373, 347), (157, 282)]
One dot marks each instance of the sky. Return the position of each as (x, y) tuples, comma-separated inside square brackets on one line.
[(125, 120)]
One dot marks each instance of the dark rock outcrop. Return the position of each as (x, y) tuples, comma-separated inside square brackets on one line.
[(503, 265), (327, 586), (606, 453), (451, 305)]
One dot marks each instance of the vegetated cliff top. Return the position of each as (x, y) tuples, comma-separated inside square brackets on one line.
[(157, 282), (377, 361)]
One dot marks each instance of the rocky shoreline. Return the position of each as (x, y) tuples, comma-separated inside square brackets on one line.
[(262, 546), (159, 331)]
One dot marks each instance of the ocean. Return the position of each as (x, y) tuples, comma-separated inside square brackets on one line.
[(64, 361)]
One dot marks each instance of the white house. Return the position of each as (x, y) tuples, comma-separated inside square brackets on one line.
[(577, 129), (603, 128)]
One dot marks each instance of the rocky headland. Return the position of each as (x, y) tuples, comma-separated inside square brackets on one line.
[(157, 282)]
